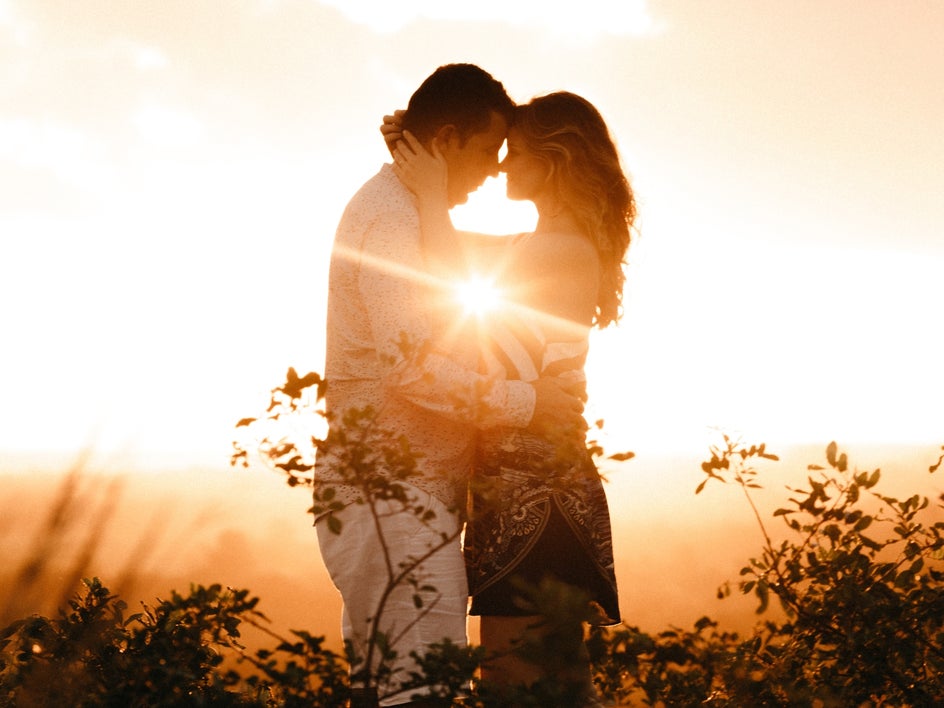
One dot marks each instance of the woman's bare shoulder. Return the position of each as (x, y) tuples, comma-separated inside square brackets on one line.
[(562, 272), (562, 239), (561, 249)]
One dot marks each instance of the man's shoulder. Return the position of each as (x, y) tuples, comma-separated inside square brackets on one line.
[(382, 215), (382, 193)]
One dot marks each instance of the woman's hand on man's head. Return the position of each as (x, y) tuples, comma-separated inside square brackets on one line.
[(392, 129)]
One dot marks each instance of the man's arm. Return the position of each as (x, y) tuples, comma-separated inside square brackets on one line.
[(395, 289)]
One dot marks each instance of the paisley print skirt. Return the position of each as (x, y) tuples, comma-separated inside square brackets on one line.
[(536, 516)]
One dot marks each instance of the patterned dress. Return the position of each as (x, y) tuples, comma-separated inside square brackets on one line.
[(537, 508)]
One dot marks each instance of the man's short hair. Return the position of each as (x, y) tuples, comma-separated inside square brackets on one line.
[(463, 95)]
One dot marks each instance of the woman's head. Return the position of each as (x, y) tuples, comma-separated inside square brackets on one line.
[(564, 144)]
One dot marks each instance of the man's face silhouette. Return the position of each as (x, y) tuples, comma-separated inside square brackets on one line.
[(472, 162)]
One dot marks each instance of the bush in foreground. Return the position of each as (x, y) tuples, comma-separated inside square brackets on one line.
[(860, 578)]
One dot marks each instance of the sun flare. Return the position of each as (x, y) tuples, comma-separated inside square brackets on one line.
[(478, 295)]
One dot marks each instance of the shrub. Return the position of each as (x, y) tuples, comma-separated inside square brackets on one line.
[(860, 578), (858, 575)]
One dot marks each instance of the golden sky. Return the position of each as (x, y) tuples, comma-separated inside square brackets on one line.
[(172, 173)]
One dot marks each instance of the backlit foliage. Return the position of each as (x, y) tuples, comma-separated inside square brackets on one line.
[(856, 577)]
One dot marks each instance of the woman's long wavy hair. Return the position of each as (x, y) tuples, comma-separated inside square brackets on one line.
[(570, 136)]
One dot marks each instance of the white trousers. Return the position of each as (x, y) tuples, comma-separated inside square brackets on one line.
[(364, 572)]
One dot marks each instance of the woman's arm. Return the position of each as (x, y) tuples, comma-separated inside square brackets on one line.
[(449, 252), (425, 175), (392, 131)]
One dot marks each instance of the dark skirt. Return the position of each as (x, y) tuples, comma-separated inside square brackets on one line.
[(535, 516)]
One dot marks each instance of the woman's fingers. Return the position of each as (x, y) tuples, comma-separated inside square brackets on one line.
[(416, 166), (402, 153), (392, 122), (411, 140)]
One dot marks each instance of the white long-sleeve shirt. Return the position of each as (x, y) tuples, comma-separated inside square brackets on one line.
[(388, 346)]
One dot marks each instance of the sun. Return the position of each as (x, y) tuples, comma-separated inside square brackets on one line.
[(478, 295)]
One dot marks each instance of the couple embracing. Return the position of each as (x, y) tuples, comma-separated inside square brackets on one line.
[(503, 496)]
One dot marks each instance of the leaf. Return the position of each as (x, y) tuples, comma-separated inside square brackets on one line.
[(294, 385), (905, 579), (934, 468), (239, 458), (295, 464), (704, 622), (831, 454), (622, 456), (852, 494), (244, 422), (762, 591)]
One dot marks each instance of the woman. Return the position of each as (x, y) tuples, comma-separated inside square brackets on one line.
[(538, 510)]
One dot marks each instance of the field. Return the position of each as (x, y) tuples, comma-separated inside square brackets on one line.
[(147, 533)]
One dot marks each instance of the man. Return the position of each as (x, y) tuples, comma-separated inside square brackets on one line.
[(386, 353)]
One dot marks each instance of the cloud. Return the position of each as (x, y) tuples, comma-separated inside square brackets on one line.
[(55, 147), (594, 17), (126, 52), (168, 125), (6, 13), (146, 58), (19, 31)]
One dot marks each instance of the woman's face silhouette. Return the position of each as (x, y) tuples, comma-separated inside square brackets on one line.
[(526, 175)]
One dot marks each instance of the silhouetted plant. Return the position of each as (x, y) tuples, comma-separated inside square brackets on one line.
[(861, 580), (361, 449), (292, 449), (864, 613), (93, 655), (859, 577), (299, 672)]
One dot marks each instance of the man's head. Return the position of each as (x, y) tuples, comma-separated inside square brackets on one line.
[(467, 113)]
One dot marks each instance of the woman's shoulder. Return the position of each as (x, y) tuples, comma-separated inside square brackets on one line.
[(562, 272), (558, 239), (553, 249)]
